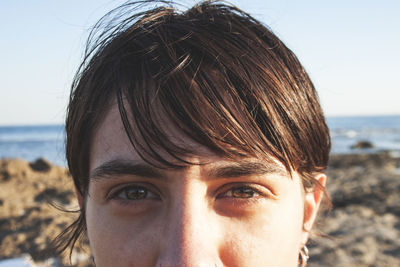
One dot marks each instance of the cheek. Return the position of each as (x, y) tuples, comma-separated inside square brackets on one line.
[(116, 242), (272, 238)]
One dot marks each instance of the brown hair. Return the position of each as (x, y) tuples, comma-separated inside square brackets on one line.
[(220, 76)]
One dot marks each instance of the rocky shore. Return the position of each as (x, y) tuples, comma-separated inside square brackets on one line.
[(32, 196), (362, 229)]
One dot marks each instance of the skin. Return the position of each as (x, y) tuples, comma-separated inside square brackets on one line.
[(219, 213)]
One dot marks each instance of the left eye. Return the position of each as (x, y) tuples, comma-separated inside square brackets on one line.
[(241, 192), (134, 193)]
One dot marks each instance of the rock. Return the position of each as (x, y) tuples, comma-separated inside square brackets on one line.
[(40, 165), (362, 145), (4, 176), (50, 195), (29, 217), (363, 229), (13, 168)]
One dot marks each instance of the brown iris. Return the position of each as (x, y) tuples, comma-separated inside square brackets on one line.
[(242, 192), (135, 193)]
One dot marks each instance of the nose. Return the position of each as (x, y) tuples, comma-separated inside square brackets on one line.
[(191, 236)]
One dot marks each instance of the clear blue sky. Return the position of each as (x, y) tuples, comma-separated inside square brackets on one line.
[(350, 48)]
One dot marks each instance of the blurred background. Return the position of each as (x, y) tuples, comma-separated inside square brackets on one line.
[(349, 48)]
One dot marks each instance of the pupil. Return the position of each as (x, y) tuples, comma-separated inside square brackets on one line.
[(242, 192), (135, 193)]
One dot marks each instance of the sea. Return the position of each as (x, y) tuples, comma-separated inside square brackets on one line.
[(33, 142), (47, 141)]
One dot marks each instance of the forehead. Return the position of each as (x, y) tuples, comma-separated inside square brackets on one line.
[(111, 142)]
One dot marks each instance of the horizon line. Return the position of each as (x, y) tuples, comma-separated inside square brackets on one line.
[(44, 124)]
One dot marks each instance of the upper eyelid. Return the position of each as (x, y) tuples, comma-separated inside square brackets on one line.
[(256, 187)]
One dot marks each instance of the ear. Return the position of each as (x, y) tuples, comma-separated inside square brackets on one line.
[(79, 197), (312, 200)]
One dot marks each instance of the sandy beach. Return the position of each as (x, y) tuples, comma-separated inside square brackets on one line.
[(362, 229)]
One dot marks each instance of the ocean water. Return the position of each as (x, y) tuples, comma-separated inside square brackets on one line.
[(18, 262), (26, 261), (382, 131), (32, 142)]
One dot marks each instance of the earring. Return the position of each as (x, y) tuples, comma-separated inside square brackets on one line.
[(303, 256)]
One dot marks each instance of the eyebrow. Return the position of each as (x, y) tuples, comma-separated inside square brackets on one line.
[(246, 168), (120, 167)]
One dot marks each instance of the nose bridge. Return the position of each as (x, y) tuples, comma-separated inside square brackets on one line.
[(190, 236)]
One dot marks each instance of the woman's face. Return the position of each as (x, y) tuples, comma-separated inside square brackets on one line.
[(219, 213)]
